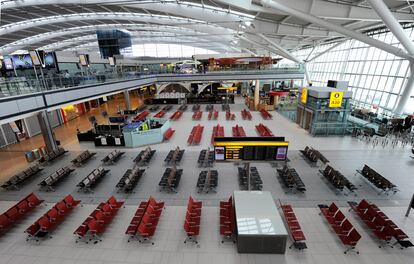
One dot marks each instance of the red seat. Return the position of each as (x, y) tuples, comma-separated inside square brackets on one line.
[(81, 230), (13, 214), (169, 133), (225, 230), (33, 229), (95, 228), (351, 239), (33, 200), (298, 235), (70, 201), (4, 222), (114, 203)]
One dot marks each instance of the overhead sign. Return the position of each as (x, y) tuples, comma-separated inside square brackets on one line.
[(335, 101), (304, 96)]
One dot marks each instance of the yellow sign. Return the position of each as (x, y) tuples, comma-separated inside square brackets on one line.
[(304, 96), (335, 101), (227, 88)]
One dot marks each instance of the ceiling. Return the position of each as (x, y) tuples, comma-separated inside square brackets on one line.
[(220, 25)]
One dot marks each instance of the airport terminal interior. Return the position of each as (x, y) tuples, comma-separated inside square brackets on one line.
[(207, 131)]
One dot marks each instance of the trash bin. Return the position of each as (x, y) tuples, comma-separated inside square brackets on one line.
[(29, 156), (36, 153)]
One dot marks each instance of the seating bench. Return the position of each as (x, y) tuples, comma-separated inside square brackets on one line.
[(339, 181), (343, 228), (130, 179), (113, 157), (207, 181), (170, 179), (19, 211), (378, 180), (17, 180), (291, 179), (144, 157), (83, 158), (95, 224), (246, 115), (177, 115), (264, 131), (42, 227), (238, 131), (52, 155), (192, 220), (50, 181), (145, 221), (205, 158), (256, 183), (174, 156), (227, 221), (380, 225), (294, 227), (265, 114), (92, 179), (168, 134)]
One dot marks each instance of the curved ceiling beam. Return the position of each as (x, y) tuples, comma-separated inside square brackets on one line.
[(326, 9), (20, 44), (122, 16), (227, 18)]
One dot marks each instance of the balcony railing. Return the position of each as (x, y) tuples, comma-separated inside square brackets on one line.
[(23, 85)]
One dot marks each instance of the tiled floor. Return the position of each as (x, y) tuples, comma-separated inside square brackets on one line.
[(346, 154)]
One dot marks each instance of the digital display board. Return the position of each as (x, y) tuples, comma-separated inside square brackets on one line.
[(250, 148), (8, 63), (22, 61)]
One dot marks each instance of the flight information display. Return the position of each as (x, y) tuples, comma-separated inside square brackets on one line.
[(251, 148)]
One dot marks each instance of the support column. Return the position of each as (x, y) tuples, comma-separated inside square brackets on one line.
[(127, 100), (256, 95), (408, 90), (47, 131), (308, 80)]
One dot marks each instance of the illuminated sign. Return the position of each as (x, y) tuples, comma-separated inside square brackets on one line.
[(335, 101), (304, 96)]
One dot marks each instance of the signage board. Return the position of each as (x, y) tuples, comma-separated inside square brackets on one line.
[(335, 100), (304, 96)]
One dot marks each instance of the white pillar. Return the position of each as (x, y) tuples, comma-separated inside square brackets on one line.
[(127, 100), (256, 95), (408, 90), (308, 80), (47, 131)]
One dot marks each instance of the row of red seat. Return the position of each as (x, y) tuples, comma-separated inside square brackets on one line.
[(177, 115), (218, 131), (195, 136), (95, 224), (18, 212), (141, 116), (246, 114), (238, 131), (230, 115), (379, 223), (263, 130), (160, 114), (145, 220), (295, 229), (169, 133), (51, 219), (213, 115), (192, 220), (197, 115), (342, 227), (227, 220), (265, 114)]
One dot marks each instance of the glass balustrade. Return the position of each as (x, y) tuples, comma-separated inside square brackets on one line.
[(24, 85)]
